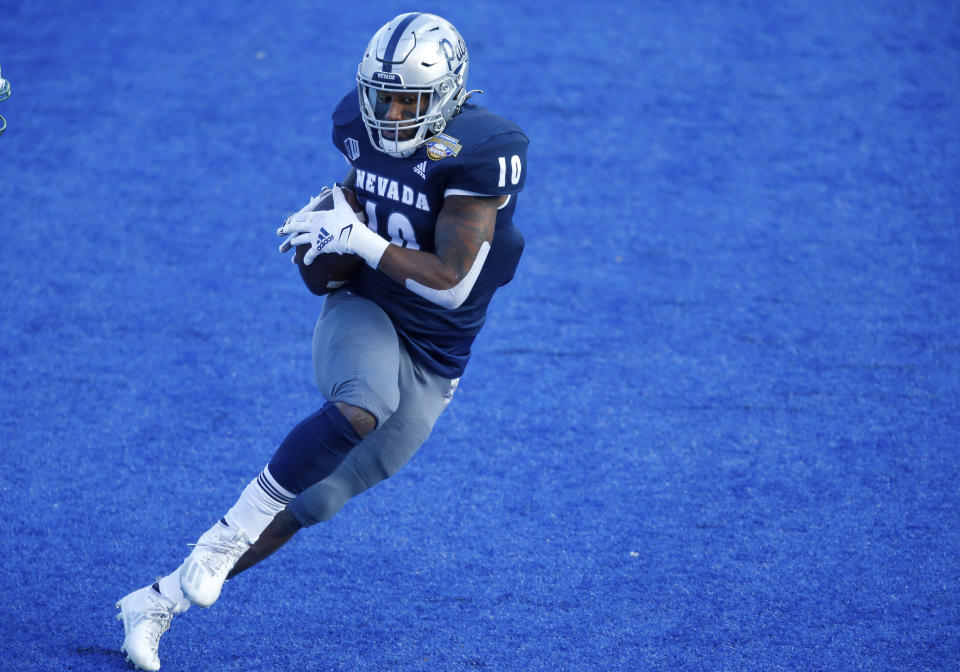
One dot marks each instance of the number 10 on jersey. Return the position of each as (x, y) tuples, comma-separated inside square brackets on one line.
[(515, 169)]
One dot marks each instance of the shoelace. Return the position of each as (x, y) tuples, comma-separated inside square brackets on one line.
[(224, 549), (158, 619), (159, 624)]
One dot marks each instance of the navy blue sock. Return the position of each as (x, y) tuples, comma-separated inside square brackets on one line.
[(313, 449)]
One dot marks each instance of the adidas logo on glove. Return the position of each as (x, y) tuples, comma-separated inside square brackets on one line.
[(323, 238)]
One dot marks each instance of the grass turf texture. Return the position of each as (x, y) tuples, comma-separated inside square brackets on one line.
[(712, 425)]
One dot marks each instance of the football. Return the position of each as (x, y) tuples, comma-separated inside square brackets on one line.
[(330, 271)]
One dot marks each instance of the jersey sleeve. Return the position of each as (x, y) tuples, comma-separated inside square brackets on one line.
[(344, 114), (497, 167)]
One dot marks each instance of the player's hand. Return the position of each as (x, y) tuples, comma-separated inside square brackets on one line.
[(325, 231), (315, 200), (337, 230), (311, 205)]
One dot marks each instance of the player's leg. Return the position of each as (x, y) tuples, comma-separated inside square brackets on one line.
[(423, 397), (310, 452), (356, 361)]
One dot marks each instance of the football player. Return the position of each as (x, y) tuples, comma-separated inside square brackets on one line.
[(438, 179)]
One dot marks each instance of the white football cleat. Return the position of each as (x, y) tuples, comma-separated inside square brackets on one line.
[(146, 615), (206, 568)]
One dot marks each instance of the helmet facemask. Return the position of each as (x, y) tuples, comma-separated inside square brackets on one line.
[(423, 113), (420, 61)]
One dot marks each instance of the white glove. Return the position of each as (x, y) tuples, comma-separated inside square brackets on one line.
[(338, 230), (315, 200), (325, 192)]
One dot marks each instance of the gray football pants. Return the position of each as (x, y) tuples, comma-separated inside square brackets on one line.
[(359, 359)]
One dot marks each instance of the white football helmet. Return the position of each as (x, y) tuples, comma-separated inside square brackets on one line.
[(421, 56)]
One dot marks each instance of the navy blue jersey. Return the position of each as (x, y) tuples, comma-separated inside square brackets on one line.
[(478, 153)]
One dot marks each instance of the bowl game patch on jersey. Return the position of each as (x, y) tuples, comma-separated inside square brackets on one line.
[(442, 145)]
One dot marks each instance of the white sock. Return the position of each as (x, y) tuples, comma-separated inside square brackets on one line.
[(260, 501), (170, 588)]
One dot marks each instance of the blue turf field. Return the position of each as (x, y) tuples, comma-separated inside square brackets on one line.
[(712, 425)]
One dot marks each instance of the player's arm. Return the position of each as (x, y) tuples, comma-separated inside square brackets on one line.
[(462, 240)]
